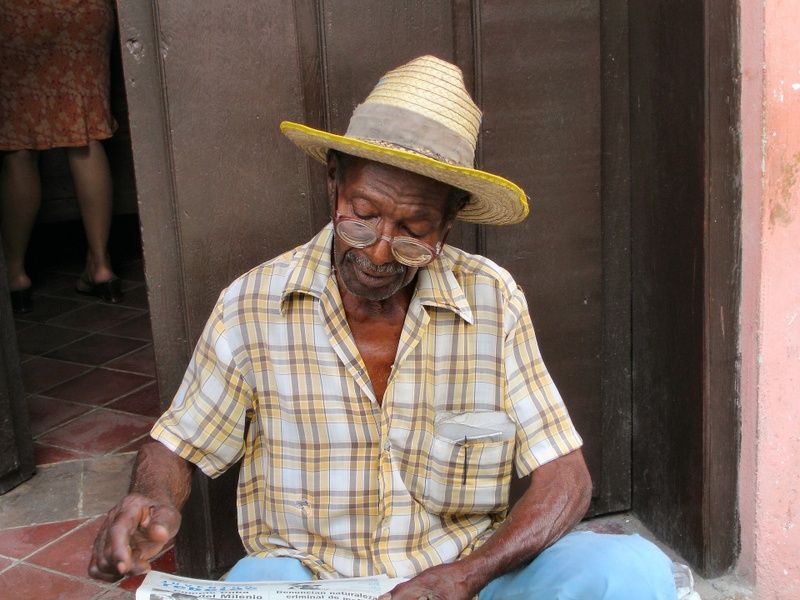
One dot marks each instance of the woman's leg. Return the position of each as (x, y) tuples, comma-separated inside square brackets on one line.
[(93, 187), (21, 195)]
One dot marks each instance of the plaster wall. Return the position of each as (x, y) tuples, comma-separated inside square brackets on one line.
[(770, 320)]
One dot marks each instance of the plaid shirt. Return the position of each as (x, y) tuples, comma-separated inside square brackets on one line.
[(329, 476)]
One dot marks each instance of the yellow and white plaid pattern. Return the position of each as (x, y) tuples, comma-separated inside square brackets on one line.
[(329, 476)]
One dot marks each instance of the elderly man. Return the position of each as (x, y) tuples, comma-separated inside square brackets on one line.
[(380, 387)]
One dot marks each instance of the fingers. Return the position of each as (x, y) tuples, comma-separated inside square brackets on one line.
[(163, 524), (100, 567), (134, 532), (126, 534)]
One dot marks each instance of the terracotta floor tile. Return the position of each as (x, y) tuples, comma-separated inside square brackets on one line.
[(30, 582), (138, 327), (48, 455), (52, 494), (46, 413), (64, 286), (133, 270), (138, 361), (164, 563), (141, 402), (65, 265), (71, 553), (98, 386), (52, 283), (48, 307), (96, 317), (22, 325), (22, 541), (41, 373), (44, 337), (136, 298), (99, 431), (116, 594), (105, 482), (96, 349)]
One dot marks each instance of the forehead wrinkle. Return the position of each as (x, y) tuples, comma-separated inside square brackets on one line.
[(421, 198), (417, 205)]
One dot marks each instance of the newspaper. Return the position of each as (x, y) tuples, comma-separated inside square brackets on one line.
[(163, 586)]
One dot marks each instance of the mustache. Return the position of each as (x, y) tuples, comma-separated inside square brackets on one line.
[(363, 262)]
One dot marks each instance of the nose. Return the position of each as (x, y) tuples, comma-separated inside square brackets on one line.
[(380, 253)]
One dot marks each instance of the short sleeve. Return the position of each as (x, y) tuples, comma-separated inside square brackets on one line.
[(544, 428), (205, 423)]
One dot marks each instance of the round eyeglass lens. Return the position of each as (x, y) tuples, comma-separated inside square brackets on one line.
[(356, 234), (411, 253)]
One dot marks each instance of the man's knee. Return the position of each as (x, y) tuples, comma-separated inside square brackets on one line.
[(589, 566), (278, 568)]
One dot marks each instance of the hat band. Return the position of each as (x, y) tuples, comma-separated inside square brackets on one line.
[(404, 128)]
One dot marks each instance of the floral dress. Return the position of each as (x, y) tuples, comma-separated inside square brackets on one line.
[(54, 73)]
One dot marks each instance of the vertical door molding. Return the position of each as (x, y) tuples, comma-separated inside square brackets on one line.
[(686, 275), (312, 62), (155, 187), (613, 492), (723, 261)]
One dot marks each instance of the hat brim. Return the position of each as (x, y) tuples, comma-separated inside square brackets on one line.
[(494, 200)]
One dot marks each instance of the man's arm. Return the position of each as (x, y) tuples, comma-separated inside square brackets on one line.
[(137, 528), (556, 499)]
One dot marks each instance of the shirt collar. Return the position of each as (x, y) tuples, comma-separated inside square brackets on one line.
[(311, 269), (437, 286)]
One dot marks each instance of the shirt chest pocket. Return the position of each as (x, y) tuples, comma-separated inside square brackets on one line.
[(469, 464)]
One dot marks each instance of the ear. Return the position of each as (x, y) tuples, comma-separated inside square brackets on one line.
[(330, 181)]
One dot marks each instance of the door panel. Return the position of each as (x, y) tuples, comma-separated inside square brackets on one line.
[(540, 89), (241, 186)]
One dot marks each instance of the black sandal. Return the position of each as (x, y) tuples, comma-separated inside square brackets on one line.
[(22, 300), (108, 291)]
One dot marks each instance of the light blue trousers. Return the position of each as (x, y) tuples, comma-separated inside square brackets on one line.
[(580, 566)]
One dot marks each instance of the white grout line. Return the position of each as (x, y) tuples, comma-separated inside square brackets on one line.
[(80, 489)]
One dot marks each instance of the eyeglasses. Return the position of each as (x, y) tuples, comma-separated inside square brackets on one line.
[(407, 250)]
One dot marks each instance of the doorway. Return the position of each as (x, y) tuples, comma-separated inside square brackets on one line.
[(82, 370), (79, 354), (85, 372)]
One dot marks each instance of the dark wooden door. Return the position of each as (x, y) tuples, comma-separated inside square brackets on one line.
[(220, 190)]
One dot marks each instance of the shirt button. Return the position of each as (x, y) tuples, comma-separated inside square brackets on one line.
[(387, 445)]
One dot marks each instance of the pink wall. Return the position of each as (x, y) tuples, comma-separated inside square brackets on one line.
[(770, 317)]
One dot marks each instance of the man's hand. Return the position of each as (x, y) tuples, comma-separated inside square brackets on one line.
[(443, 582), (135, 531)]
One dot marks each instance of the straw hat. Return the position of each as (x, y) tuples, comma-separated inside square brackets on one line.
[(421, 118)]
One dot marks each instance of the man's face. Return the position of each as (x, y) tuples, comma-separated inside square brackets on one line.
[(395, 202)]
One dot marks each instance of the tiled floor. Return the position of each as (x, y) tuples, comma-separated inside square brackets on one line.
[(89, 374)]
